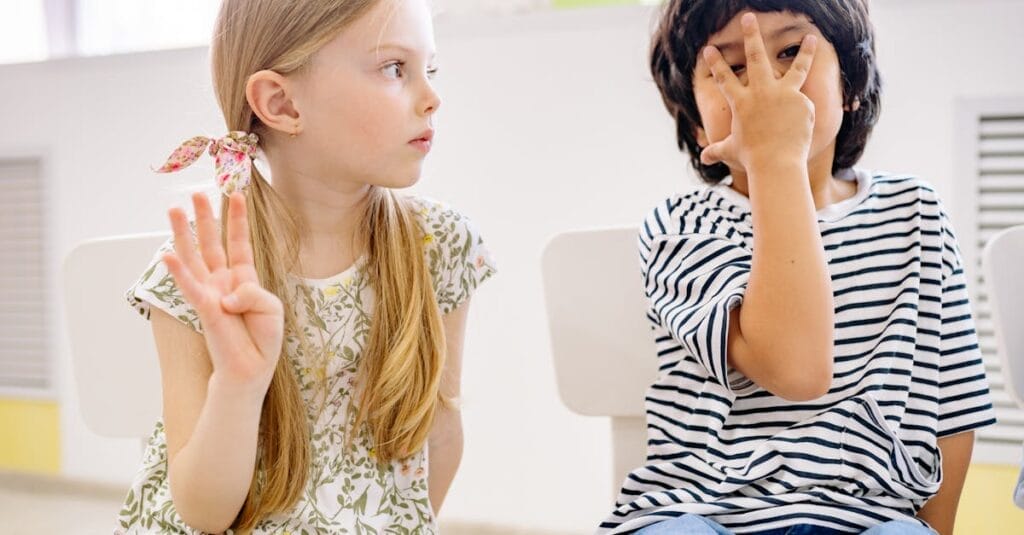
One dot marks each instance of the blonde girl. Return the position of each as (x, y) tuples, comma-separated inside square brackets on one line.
[(310, 346)]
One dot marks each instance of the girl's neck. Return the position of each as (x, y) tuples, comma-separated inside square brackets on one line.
[(329, 214)]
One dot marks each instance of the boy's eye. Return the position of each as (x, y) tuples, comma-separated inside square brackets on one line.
[(790, 52), (737, 68), (431, 73), (393, 70)]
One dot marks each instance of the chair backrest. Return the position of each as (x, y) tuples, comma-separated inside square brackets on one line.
[(603, 348), (114, 358), (1002, 260)]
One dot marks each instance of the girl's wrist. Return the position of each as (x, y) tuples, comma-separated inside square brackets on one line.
[(222, 386)]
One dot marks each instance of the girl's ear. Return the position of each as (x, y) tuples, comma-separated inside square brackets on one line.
[(271, 97), (853, 107)]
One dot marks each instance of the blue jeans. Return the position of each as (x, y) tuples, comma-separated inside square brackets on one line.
[(698, 525)]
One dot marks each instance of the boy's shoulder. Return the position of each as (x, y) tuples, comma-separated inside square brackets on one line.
[(891, 191), (886, 183), (704, 209), (717, 209)]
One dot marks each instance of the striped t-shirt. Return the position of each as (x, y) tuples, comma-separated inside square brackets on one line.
[(907, 370)]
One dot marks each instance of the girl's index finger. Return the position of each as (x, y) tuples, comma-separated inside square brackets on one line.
[(801, 67), (209, 236), (759, 69), (239, 247), (185, 244)]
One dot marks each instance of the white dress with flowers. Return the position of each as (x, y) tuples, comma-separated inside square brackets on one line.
[(349, 490)]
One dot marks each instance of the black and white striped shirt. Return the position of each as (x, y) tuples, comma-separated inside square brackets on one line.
[(907, 370)]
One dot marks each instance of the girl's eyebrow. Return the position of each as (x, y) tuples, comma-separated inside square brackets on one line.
[(801, 26), (396, 47)]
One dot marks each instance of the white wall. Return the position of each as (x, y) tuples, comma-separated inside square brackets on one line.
[(549, 122)]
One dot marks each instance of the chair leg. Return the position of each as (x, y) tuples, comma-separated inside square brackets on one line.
[(629, 447)]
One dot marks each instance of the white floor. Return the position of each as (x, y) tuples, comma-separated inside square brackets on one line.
[(26, 508)]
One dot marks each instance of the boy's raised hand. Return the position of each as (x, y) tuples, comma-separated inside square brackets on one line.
[(243, 323), (771, 119)]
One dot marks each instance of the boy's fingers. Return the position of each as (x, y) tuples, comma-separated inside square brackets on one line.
[(713, 153), (758, 67), (801, 67), (722, 73)]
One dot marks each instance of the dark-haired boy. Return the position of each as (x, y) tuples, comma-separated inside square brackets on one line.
[(819, 369)]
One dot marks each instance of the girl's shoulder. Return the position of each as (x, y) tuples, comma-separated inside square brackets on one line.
[(430, 210), (156, 288), (454, 249)]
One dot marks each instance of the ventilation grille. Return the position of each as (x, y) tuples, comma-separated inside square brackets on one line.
[(999, 194), (24, 356)]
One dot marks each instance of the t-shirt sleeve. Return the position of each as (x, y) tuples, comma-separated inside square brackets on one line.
[(156, 288), (965, 402), (692, 281), (456, 255)]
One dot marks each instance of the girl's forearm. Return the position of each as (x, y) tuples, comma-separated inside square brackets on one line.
[(210, 476), (445, 453)]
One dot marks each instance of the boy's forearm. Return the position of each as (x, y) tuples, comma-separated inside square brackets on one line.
[(788, 309), (210, 476)]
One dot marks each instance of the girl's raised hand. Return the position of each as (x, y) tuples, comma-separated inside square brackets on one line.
[(242, 322)]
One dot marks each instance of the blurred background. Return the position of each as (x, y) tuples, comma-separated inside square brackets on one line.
[(550, 123)]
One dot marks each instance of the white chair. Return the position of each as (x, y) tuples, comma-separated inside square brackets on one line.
[(1001, 262), (114, 358), (602, 344)]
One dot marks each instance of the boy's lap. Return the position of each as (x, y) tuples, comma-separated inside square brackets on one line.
[(698, 525), (685, 525)]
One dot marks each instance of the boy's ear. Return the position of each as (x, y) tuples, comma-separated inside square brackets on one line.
[(270, 95), (702, 137)]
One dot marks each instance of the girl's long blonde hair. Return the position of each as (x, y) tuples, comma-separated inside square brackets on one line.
[(404, 355)]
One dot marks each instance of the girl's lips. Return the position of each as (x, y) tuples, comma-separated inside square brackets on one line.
[(421, 144)]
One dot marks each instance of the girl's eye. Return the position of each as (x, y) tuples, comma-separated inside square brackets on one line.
[(738, 68), (790, 52), (393, 70), (431, 73)]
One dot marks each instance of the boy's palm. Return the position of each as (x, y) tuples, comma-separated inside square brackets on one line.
[(771, 119)]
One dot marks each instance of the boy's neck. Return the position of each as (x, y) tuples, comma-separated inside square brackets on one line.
[(826, 189)]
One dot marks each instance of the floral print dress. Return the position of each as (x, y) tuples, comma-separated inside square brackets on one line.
[(349, 490)]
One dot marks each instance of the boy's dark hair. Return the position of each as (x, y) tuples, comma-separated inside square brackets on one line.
[(686, 26)]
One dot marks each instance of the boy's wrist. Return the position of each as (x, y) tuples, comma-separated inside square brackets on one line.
[(777, 168)]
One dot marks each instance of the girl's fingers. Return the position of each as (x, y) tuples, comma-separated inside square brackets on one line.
[(209, 236), (191, 290), (251, 298), (185, 244), (801, 67), (239, 246)]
